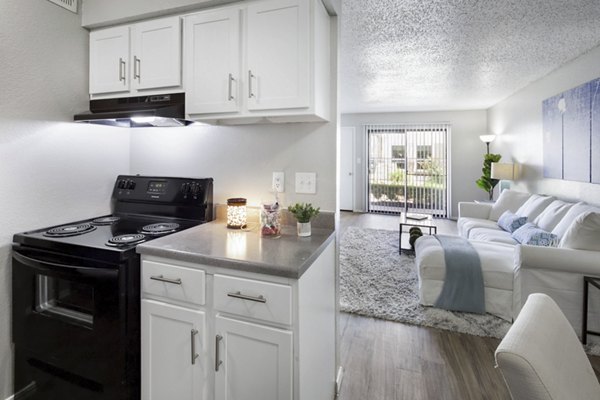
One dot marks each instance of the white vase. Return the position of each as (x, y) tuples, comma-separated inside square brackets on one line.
[(303, 228)]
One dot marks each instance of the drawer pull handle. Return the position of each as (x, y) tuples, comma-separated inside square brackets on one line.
[(194, 332), (239, 295), (167, 280), (218, 361)]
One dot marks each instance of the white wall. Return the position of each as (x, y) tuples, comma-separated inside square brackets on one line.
[(241, 159), (50, 170), (97, 13), (105, 12), (518, 122), (466, 153)]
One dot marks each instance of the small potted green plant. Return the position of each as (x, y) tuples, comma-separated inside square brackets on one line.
[(303, 212)]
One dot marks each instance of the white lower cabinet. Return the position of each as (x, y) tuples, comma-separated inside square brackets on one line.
[(252, 361), (256, 336), (174, 352)]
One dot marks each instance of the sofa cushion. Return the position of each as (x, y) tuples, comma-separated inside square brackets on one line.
[(497, 262), (575, 211), (534, 236), (492, 236), (509, 200), (465, 224), (584, 233), (534, 206), (552, 215), (510, 222)]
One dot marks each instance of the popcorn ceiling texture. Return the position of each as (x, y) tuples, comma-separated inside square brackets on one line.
[(407, 55)]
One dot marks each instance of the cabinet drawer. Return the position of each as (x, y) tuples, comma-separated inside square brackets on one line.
[(174, 282), (255, 299)]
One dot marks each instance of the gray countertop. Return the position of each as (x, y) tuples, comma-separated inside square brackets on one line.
[(213, 244)]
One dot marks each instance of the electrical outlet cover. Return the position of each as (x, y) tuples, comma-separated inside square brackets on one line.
[(278, 184), (306, 182)]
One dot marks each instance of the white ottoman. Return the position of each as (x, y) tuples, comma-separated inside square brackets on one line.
[(496, 263)]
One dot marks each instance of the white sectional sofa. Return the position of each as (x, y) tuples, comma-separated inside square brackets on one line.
[(512, 271)]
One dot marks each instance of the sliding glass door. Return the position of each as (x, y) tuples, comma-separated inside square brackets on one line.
[(408, 168)]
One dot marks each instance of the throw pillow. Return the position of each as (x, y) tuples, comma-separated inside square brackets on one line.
[(534, 206), (511, 222), (509, 200), (552, 215), (584, 233), (570, 217), (534, 236)]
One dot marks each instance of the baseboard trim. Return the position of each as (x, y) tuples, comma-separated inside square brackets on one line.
[(339, 378)]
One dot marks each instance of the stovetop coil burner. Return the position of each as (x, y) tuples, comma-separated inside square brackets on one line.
[(126, 240), (70, 230), (105, 220), (160, 228)]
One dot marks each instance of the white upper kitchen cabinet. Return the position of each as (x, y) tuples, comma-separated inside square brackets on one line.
[(212, 60), (258, 61), (156, 53), (278, 57), (136, 59), (109, 60)]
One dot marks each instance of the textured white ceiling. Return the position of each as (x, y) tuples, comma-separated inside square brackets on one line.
[(419, 55)]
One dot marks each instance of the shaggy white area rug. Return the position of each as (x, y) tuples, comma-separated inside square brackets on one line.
[(376, 281)]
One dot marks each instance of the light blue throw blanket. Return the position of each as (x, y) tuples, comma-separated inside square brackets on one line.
[(463, 285)]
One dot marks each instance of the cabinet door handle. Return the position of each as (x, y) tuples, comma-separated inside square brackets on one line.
[(122, 70), (250, 76), (229, 88), (239, 295), (193, 334), (218, 361), (161, 278), (137, 68)]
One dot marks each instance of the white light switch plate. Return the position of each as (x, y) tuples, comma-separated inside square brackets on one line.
[(278, 184), (306, 182)]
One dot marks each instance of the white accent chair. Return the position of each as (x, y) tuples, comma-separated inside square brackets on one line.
[(541, 358)]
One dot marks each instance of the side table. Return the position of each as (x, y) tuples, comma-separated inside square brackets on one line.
[(407, 222), (587, 281)]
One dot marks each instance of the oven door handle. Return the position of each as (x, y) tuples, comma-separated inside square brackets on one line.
[(50, 266)]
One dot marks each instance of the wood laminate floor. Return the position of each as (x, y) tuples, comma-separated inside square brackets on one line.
[(393, 361)]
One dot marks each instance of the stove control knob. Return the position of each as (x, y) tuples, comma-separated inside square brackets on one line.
[(195, 189), (121, 184), (130, 185)]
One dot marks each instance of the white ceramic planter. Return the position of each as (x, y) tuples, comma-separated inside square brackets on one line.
[(303, 228)]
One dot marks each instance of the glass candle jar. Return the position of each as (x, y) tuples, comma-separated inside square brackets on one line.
[(236, 213), (270, 220)]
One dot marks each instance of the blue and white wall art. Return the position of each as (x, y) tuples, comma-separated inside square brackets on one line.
[(571, 124)]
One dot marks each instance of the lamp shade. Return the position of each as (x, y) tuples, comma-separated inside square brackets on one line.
[(487, 138), (503, 171)]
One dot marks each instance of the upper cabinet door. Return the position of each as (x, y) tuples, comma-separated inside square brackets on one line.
[(109, 60), (212, 61), (156, 56), (278, 55)]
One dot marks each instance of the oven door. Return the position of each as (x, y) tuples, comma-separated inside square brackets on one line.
[(69, 322)]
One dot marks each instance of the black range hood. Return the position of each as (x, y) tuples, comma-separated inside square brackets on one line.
[(163, 110)]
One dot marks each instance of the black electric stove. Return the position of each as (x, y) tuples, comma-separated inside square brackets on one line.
[(76, 290)]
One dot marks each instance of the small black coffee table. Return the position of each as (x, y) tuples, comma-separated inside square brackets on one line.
[(587, 281), (408, 222)]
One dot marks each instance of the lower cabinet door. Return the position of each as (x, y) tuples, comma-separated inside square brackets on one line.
[(174, 352), (252, 362)]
